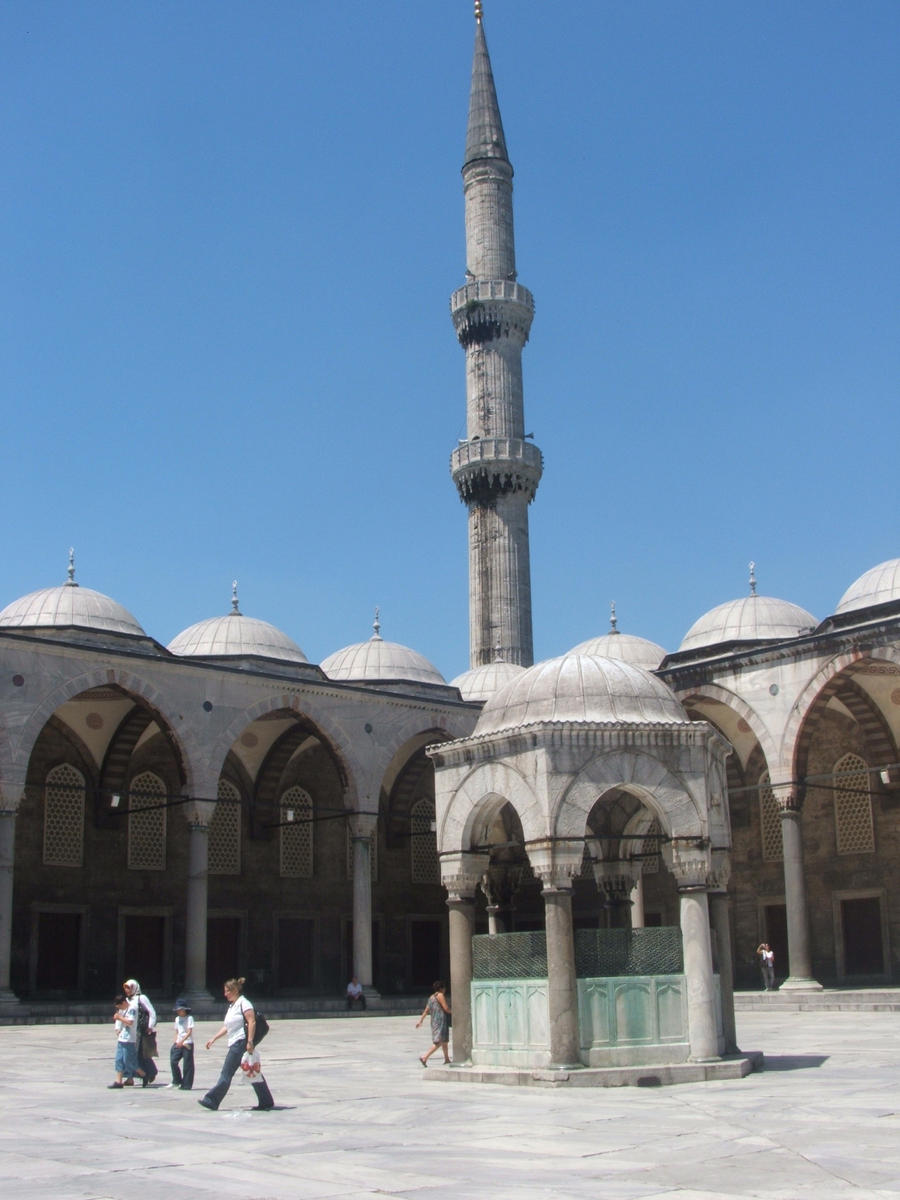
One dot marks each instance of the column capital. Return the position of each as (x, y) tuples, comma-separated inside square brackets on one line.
[(615, 879), (462, 873), (691, 865), (363, 826), (790, 801), (556, 862)]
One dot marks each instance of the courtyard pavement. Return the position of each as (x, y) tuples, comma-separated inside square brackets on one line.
[(356, 1118)]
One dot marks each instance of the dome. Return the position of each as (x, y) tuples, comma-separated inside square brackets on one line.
[(879, 585), (69, 606), (750, 619), (236, 636), (376, 659), (578, 687), (480, 683), (624, 646)]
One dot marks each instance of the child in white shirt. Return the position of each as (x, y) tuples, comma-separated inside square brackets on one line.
[(181, 1056)]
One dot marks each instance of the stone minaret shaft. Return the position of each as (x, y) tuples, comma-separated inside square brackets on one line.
[(495, 469)]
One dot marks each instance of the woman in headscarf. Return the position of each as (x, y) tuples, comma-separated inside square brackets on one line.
[(240, 1029), (145, 1016)]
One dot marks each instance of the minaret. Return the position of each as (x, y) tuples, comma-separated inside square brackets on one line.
[(495, 469)]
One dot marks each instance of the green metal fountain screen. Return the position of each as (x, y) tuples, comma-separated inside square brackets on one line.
[(598, 953)]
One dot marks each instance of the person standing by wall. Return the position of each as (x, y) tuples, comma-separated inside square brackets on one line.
[(766, 965)]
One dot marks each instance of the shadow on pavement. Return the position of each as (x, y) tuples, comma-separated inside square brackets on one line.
[(793, 1062)]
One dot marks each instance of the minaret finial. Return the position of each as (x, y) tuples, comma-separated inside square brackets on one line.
[(376, 625), (613, 619), (70, 582), (753, 579), (478, 13), (235, 611)]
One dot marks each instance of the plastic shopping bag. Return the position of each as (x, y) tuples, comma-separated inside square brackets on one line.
[(251, 1071)]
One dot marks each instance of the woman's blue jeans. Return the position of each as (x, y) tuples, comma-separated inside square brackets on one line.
[(216, 1094)]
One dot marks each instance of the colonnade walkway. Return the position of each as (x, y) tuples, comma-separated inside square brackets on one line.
[(356, 1118)]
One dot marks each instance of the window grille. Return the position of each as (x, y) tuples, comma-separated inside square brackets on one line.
[(147, 830), (650, 850), (64, 817), (373, 856), (423, 853), (854, 831), (225, 832), (296, 852), (769, 821)]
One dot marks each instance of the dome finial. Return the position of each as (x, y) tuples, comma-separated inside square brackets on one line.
[(753, 579), (478, 13), (498, 652), (70, 582), (235, 611), (613, 620), (376, 626)]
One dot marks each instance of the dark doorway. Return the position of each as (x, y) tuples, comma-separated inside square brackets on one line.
[(861, 926), (223, 951), (295, 953), (425, 952), (145, 941), (775, 933), (58, 951)]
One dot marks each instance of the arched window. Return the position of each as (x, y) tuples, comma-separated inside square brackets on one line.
[(769, 821), (64, 817), (296, 853), (147, 829), (423, 855), (225, 832), (854, 831), (650, 849)]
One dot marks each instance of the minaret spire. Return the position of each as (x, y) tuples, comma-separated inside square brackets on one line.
[(495, 469)]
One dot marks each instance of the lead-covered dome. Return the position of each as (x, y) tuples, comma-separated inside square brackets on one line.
[(69, 606), (879, 585), (624, 646), (236, 636), (752, 618), (378, 660), (584, 688), (480, 683)]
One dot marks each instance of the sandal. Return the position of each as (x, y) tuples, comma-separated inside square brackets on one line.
[(423, 1062)]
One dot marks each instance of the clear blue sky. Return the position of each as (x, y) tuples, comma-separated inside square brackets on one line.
[(229, 236)]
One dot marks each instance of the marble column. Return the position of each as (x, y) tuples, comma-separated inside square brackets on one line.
[(720, 919), (362, 909), (562, 992), (800, 974), (363, 828), (197, 911), (695, 934), (8, 999), (462, 925)]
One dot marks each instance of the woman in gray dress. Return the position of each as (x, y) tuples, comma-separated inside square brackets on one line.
[(439, 1010)]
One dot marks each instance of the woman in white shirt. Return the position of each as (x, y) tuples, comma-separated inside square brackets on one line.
[(240, 1029)]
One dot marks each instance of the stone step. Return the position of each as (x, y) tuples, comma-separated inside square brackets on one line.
[(886, 999)]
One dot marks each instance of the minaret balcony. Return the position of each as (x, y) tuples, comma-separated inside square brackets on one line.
[(483, 468), (492, 308)]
